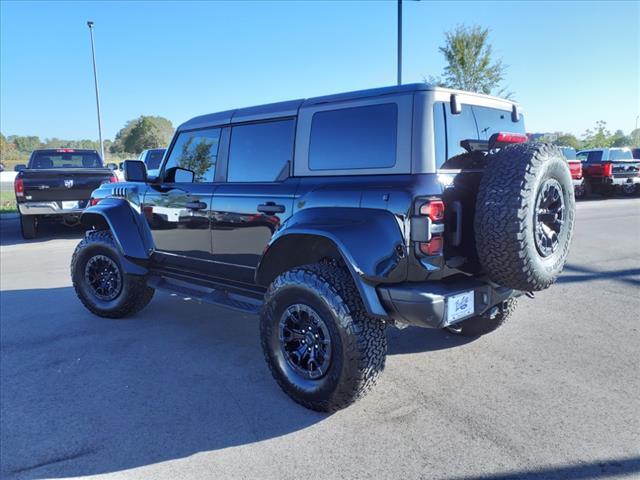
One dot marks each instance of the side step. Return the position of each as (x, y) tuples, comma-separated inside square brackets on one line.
[(206, 295)]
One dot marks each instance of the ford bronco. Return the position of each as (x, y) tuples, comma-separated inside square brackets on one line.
[(335, 216)]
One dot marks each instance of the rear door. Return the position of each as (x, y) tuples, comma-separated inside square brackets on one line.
[(256, 198), (178, 208)]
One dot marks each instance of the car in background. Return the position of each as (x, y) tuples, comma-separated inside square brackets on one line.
[(610, 170), (56, 185), (575, 166), (152, 158), (636, 153)]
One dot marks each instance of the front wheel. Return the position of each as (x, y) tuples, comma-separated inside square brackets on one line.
[(485, 323), (100, 281), (322, 348)]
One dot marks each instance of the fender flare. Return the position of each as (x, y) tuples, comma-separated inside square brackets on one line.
[(130, 231), (369, 241)]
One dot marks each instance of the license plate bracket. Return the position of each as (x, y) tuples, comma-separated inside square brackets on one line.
[(460, 306)]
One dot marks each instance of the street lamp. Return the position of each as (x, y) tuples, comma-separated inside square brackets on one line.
[(95, 79), (400, 41)]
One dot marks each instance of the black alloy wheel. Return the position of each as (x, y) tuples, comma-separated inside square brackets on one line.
[(549, 217)]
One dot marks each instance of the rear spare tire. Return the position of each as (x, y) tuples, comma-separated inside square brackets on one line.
[(524, 216)]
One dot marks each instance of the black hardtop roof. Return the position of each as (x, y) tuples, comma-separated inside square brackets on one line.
[(291, 107)]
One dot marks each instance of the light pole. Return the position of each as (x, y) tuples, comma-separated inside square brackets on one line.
[(95, 79), (399, 42)]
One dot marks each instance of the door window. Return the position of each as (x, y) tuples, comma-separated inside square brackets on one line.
[(194, 150), (260, 152)]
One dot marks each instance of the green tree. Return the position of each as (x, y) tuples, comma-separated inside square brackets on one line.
[(568, 140), (471, 64), (635, 137), (197, 159), (25, 144), (142, 133), (619, 139), (598, 137)]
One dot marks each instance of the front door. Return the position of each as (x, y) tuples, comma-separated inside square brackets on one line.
[(256, 198), (178, 209)]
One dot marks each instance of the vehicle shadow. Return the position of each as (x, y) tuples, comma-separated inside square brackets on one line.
[(10, 232), (575, 273), (82, 395)]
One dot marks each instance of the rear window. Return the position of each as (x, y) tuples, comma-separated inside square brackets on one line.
[(44, 160), (154, 158), (590, 157), (354, 138), (492, 120), (620, 155), (472, 123), (569, 153)]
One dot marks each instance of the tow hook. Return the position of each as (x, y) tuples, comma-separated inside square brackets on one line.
[(530, 294)]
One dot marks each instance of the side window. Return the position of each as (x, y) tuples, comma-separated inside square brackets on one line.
[(595, 156), (493, 120), (439, 134), (459, 127), (354, 138), (258, 152), (195, 150), (582, 156)]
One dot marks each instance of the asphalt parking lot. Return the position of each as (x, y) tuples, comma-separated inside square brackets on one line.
[(182, 391)]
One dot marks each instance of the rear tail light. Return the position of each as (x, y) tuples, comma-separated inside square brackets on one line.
[(434, 209), (18, 186), (607, 170), (433, 246), (428, 231)]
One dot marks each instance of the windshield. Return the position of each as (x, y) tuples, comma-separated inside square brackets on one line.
[(154, 157), (622, 154), (569, 153), (43, 160)]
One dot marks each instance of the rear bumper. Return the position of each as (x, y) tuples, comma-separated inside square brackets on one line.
[(623, 181), (47, 208), (425, 304)]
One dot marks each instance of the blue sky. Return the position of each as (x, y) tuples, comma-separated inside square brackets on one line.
[(570, 63)]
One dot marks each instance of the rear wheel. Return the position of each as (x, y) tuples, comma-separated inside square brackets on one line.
[(524, 216), (100, 281), (630, 189), (485, 323), (28, 226), (322, 348)]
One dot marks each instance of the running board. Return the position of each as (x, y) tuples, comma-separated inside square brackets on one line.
[(206, 295)]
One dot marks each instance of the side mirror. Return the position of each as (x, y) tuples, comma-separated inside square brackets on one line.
[(456, 106), (135, 171), (20, 167), (182, 175), (112, 166)]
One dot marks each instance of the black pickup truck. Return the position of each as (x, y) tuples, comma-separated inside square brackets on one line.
[(56, 184), (333, 217)]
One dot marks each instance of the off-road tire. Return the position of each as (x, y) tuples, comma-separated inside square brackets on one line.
[(505, 208), (359, 343), (134, 294), (487, 322), (28, 226)]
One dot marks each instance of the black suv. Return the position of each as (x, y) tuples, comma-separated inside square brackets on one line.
[(332, 217)]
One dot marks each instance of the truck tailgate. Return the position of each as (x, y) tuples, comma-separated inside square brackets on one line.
[(63, 184)]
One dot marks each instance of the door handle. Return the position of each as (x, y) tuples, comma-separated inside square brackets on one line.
[(270, 208), (196, 205)]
